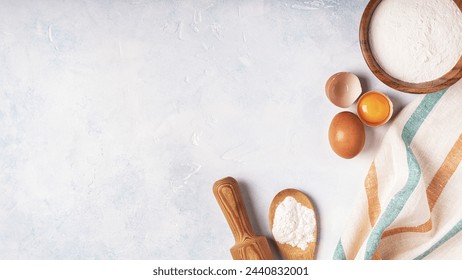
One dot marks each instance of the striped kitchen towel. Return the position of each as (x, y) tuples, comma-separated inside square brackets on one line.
[(411, 204)]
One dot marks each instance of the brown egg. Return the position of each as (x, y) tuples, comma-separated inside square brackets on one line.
[(346, 135)]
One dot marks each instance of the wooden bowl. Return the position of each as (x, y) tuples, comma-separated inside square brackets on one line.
[(442, 82)]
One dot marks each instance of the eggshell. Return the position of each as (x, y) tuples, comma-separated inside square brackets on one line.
[(343, 88), (347, 135)]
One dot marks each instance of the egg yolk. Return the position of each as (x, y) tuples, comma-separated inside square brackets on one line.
[(374, 108)]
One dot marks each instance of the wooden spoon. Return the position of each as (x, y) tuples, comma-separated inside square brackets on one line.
[(289, 252)]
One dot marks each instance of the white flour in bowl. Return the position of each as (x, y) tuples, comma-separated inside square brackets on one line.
[(416, 41)]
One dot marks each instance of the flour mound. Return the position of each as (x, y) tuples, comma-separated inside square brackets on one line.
[(416, 41), (294, 224)]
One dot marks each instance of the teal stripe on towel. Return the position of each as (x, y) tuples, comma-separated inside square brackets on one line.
[(418, 117), (339, 253), (455, 230), (399, 199)]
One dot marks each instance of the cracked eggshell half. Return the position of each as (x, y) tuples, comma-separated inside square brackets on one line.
[(343, 88)]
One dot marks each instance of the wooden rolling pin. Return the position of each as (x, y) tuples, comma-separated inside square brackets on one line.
[(248, 246)]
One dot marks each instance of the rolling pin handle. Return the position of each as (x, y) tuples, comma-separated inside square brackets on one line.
[(229, 198)]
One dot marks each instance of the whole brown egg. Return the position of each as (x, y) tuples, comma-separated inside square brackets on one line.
[(346, 135)]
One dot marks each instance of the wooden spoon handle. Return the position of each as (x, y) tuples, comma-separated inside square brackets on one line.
[(229, 198)]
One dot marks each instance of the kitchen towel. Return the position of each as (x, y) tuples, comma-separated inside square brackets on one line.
[(411, 204)]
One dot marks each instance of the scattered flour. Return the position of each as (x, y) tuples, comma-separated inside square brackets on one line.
[(414, 40), (294, 224)]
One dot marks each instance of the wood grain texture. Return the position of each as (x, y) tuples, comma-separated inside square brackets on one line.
[(289, 252), (419, 88), (248, 246)]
